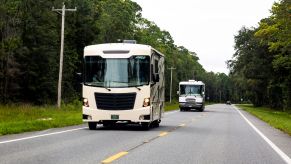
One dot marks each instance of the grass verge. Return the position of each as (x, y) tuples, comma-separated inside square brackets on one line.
[(277, 119), (24, 118), (171, 106)]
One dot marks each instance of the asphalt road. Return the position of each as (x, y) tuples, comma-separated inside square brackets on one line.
[(221, 134)]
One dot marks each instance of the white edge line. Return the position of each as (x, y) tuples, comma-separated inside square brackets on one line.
[(273, 146), (37, 136)]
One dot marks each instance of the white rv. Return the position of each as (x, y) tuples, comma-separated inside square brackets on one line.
[(123, 83), (191, 95)]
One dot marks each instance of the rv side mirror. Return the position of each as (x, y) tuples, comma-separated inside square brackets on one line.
[(79, 77), (178, 92), (79, 74), (203, 93)]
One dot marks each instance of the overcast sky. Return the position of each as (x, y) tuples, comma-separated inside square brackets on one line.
[(206, 27)]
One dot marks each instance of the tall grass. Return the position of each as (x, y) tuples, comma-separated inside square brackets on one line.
[(23, 118), (171, 106)]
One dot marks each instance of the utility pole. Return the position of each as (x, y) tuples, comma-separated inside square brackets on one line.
[(172, 68), (63, 11), (219, 96)]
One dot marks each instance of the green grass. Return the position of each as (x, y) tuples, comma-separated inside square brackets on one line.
[(278, 119), (24, 118), (171, 106)]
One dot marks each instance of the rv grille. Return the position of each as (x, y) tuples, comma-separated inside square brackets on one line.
[(190, 100), (115, 101)]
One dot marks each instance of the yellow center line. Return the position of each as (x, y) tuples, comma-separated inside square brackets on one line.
[(114, 157), (163, 134)]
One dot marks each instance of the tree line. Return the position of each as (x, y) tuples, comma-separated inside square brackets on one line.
[(261, 66), (29, 49)]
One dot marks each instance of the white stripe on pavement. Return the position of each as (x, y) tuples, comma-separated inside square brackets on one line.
[(273, 146), (37, 136)]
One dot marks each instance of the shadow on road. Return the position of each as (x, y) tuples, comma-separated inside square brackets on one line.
[(191, 110), (131, 127)]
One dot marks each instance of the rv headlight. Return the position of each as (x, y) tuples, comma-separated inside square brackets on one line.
[(85, 102), (146, 102)]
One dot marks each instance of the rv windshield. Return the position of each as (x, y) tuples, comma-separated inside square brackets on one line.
[(188, 90), (117, 72)]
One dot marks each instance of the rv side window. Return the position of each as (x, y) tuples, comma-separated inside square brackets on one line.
[(156, 66)]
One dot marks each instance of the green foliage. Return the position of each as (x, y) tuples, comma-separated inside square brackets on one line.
[(117, 20), (29, 49), (172, 106), (262, 63)]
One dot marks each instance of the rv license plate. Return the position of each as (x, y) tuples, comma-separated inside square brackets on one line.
[(114, 117)]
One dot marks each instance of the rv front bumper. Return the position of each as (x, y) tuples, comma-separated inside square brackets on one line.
[(133, 115), (190, 105)]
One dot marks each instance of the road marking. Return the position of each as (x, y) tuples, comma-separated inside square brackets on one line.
[(181, 125), (146, 141), (273, 146), (42, 135), (163, 134), (114, 157), (123, 153)]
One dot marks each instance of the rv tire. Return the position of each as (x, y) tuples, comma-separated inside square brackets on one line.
[(145, 125), (92, 125), (156, 123), (201, 109)]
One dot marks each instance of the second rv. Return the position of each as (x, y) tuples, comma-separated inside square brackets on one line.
[(191, 95)]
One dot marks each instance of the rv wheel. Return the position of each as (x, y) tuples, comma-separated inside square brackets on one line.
[(92, 125), (145, 125), (156, 123), (201, 109)]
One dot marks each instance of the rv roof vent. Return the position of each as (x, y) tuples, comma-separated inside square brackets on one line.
[(130, 41), (191, 80)]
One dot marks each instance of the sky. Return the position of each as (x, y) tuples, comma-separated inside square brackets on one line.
[(206, 27)]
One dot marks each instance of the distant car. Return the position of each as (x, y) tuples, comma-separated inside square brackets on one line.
[(228, 102)]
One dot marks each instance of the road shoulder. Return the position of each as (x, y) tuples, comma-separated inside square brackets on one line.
[(279, 138)]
